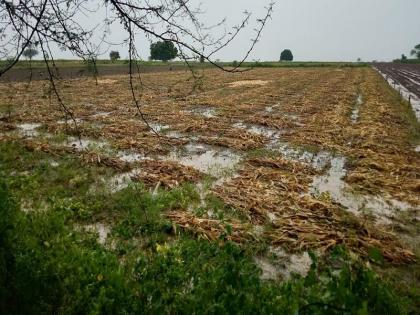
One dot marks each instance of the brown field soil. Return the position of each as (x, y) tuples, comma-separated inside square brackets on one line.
[(79, 71), (306, 158)]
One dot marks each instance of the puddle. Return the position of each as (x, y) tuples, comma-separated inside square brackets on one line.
[(285, 265), (85, 144), (99, 228), (121, 181), (333, 184), (319, 160), (69, 121), (212, 160), (355, 113), (269, 270), (248, 83), (205, 111), (258, 129), (417, 149), (29, 129), (158, 127), (290, 264), (101, 114), (130, 157)]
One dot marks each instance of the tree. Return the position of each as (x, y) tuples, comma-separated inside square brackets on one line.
[(114, 55), (403, 57), (416, 51), (286, 55), (30, 52), (57, 23), (164, 51), (49, 23)]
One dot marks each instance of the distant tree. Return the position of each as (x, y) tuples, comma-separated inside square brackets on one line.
[(164, 51), (359, 59), (416, 51), (286, 55), (403, 57), (114, 55), (30, 52), (202, 60)]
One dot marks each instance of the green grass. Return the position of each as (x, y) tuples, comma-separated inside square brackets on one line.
[(48, 264), (62, 63)]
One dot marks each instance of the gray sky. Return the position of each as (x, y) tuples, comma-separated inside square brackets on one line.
[(318, 30)]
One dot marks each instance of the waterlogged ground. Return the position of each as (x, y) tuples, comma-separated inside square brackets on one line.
[(284, 160)]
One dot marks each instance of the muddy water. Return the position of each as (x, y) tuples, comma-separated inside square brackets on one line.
[(85, 144), (121, 181), (284, 265), (319, 160), (355, 113), (158, 127), (101, 114), (212, 160), (29, 129), (70, 121), (205, 111), (130, 157), (381, 208), (258, 129)]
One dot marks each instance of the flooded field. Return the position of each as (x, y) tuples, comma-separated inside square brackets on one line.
[(405, 78), (305, 159)]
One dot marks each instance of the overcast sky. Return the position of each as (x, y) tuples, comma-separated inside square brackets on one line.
[(336, 29), (318, 30)]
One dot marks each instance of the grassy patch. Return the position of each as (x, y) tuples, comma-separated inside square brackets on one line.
[(48, 265), (50, 268)]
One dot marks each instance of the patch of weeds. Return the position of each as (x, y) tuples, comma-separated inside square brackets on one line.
[(139, 212), (49, 268), (266, 153), (58, 138), (223, 211), (74, 209), (32, 176), (6, 112)]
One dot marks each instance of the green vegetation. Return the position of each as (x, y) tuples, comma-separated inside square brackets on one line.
[(30, 52), (114, 55), (103, 63), (286, 55), (163, 51), (416, 51), (50, 262)]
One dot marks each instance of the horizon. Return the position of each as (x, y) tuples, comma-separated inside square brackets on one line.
[(324, 31)]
